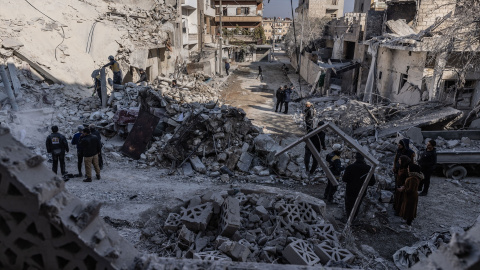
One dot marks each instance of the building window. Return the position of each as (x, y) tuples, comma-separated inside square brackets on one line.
[(361, 7), (224, 11), (403, 81), (245, 10), (334, 2), (380, 75), (333, 15)]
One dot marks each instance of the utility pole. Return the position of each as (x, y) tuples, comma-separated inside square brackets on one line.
[(220, 40), (273, 43), (300, 55)]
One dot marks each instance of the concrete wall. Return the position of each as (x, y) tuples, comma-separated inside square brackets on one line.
[(308, 69), (373, 24), (430, 10), (322, 8), (391, 64)]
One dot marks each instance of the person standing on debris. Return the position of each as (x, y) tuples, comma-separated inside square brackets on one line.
[(57, 145), (115, 67), (309, 113), (260, 73), (355, 176), (174, 84), (403, 149), (90, 148), (95, 132), (318, 141), (279, 95), (401, 176), (227, 67), (76, 141), (427, 162), (97, 85), (335, 166), (286, 97), (408, 209), (143, 76)]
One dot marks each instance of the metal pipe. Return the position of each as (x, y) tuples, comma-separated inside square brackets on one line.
[(8, 88)]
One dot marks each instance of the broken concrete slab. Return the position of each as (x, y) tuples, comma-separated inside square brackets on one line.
[(415, 135), (10, 43), (187, 169), (198, 165), (400, 27), (235, 250), (443, 115), (245, 161)]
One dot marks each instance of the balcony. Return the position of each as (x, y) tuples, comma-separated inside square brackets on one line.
[(239, 19), (189, 4)]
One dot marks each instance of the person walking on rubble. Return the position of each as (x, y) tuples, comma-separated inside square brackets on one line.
[(318, 140), (90, 148), (287, 93), (95, 132), (355, 176), (260, 73), (143, 76), (227, 67), (335, 166), (279, 95), (403, 149), (97, 85), (115, 67), (76, 140), (57, 145), (309, 114), (408, 209), (427, 162)]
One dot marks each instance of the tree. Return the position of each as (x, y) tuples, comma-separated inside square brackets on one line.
[(259, 34), (313, 29), (236, 31)]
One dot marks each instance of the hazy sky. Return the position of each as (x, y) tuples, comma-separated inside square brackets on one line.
[(282, 8)]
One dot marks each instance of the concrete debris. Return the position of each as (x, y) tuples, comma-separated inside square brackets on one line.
[(252, 227)]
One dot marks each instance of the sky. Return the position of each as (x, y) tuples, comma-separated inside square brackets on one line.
[(282, 8)]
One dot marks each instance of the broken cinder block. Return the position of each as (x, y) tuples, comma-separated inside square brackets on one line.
[(327, 253), (211, 256), (197, 218), (173, 222), (299, 252), (230, 220)]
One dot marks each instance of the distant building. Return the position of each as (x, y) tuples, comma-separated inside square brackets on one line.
[(276, 28), (320, 8), (245, 14), (362, 6)]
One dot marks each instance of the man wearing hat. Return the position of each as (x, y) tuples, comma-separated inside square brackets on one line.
[(335, 166), (76, 141), (355, 175)]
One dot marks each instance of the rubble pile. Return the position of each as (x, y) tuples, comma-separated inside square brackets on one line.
[(193, 91), (247, 226), (143, 25)]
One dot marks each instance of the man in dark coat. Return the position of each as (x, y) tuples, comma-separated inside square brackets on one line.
[(287, 97), (355, 176), (279, 95), (227, 67), (260, 73), (57, 145), (76, 141), (309, 114), (98, 86), (90, 148), (143, 76), (318, 141), (335, 166), (95, 132), (427, 162)]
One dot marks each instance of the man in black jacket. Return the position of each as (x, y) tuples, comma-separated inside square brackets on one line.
[(335, 166), (95, 132), (57, 145), (143, 76), (90, 148), (319, 142), (279, 95), (427, 162), (355, 175)]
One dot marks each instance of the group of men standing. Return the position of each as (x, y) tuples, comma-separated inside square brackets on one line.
[(89, 146), (410, 178), (283, 95)]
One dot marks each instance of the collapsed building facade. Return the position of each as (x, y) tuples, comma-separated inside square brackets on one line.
[(401, 51)]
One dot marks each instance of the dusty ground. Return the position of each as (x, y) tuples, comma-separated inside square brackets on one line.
[(130, 196)]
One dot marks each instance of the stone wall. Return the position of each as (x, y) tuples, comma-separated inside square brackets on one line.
[(309, 70), (431, 10)]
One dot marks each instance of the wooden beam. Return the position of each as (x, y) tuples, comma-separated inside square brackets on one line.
[(302, 139), (14, 77), (25, 57), (322, 163), (8, 88)]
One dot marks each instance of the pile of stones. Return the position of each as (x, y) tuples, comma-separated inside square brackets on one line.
[(249, 226)]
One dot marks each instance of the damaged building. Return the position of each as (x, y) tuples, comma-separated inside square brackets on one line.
[(396, 51)]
